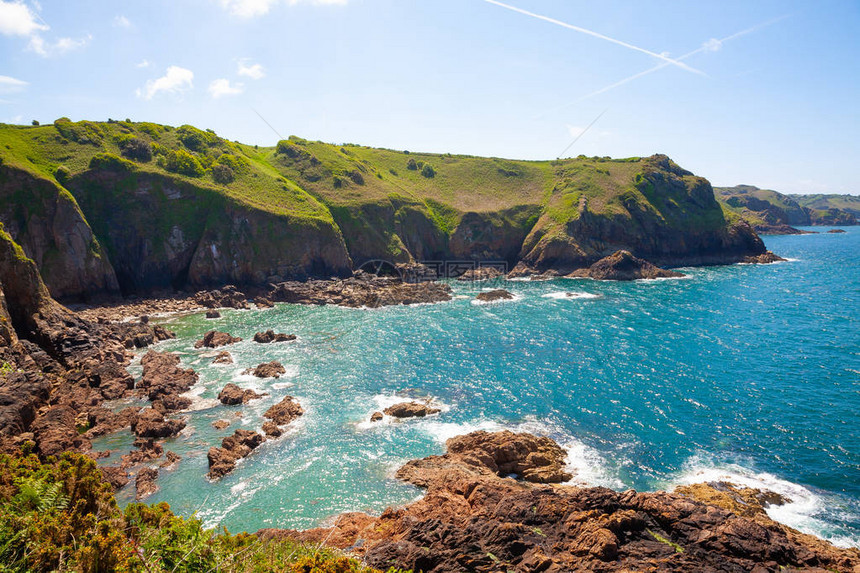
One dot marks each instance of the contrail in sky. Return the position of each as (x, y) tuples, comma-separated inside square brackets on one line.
[(665, 58), (704, 47), (582, 132)]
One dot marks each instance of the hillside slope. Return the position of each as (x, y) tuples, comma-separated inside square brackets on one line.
[(155, 207), (771, 212)]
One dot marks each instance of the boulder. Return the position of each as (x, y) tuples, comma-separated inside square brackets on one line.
[(162, 375), (763, 259), (481, 274), (213, 314), (223, 357), (226, 297), (144, 483), (836, 231), (233, 448), (115, 476), (263, 302), (493, 295), (152, 424), (284, 411), (232, 395), (623, 266), (220, 424), (272, 369), (270, 336), (409, 410), (271, 429), (214, 339), (376, 417)]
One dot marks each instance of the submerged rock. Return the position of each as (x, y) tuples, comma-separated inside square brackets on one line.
[(270, 336), (836, 231), (220, 424), (213, 314), (214, 339), (493, 295), (376, 417), (223, 357), (144, 483), (272, 369), (623, 266), (408, 410)]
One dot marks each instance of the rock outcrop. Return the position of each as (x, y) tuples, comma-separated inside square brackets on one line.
[(763, 259), (215, 339), (163, 377), (361, 291), (233, 448), (270, 336), (409, 410), (272, 369), (623, 266), (494, 295), (285, 411), (232, 395), (151, 423), (472, 519)]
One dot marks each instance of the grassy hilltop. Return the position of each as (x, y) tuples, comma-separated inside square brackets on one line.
[(152, 206)]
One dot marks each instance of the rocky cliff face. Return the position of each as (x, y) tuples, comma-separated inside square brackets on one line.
[(163, 233), (46, 221), (669, 217), (475, 518)]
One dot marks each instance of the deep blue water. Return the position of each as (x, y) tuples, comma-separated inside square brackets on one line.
[(745, 372)]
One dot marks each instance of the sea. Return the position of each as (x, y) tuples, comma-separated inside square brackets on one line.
[(741, 373)]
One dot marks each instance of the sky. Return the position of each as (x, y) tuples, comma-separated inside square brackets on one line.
[(765, 93)]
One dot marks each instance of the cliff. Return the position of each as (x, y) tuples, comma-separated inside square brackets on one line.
[(140, 207), (771, 212)]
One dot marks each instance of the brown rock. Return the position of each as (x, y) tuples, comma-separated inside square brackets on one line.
[(493, 295), (233, 448), (270, 336), (263, 302), (409, 410), (172, 459), (220, 424), (232, 395), (162, 375), (376, 417), (623, 266), (213, 314), (116, 477), (147, 449), (836, 231), (227, 296), (763, 259), (145, 484), (481, 274), (152, 424), (284, 411), (214, 339), (223, 357), (272, 429), (361, 290), (272, 369)]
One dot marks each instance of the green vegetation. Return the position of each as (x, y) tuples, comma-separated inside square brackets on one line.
[(661, 539), (60, 516)]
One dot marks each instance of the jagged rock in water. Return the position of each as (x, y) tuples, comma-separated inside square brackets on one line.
[(223, 357), (494, 295), (144, 483), (285, 411), (272, 369), (214, 339), (409, 410), (270, 336), (623, 266), (232, 395), (763, 259), (233, 448), (152, 424)]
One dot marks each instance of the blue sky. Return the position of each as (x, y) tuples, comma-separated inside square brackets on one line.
[(776, 103)]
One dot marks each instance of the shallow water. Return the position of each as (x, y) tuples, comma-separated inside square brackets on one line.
[(746, 371)]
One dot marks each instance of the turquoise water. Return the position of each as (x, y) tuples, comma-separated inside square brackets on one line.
[(747, 372)]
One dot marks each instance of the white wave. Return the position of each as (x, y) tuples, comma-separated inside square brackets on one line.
[(803, 507), (570, 295), (384, 401)]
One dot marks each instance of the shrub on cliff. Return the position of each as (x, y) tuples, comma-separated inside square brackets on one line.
[(411, 165), (182, 162), (196, 139), (222, 174), (428, 171), (62, 174), (80, 132), (61, 515), (137, 149), (110, 162), (236, 163)]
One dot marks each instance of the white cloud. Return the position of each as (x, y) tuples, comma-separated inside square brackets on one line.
[(252, 8), (222, 87), (255, 71), (575, 131), (712, 45), (16, 19), (143, 64), (122, 22), (176, 81), (10, 85), (63, 45)]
